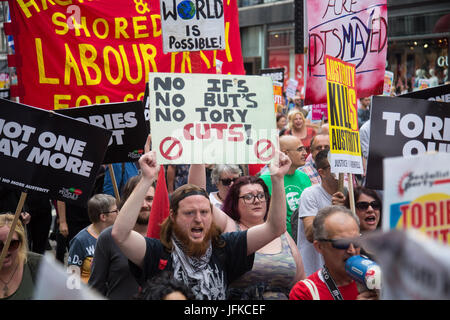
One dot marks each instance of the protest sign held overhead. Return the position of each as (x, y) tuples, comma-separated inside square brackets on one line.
[(125, 120), (94, 52), (345, 146), (353, 31), (404, 127), (200, 118), (192, 25), (439, 93), (48, 153), (319, 111), (277, 75), (417, 194), (388, 83)]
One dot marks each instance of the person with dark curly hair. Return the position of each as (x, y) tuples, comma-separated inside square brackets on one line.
[(165, 287), (368, 207)]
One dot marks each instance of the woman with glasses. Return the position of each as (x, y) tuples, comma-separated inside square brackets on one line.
[(278, 265), (223, 176), (102, 211), (368, 208), (19, 268)]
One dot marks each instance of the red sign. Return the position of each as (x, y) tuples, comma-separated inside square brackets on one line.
[(300, 73), (166, 149), (88, 52), (266, 152)]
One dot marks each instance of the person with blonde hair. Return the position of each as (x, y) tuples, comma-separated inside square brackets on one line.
[(298, 127), (19, 268)]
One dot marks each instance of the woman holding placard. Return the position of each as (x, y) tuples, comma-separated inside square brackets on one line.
[(18, 270)]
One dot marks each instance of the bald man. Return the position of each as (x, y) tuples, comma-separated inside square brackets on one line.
[(295, 181)]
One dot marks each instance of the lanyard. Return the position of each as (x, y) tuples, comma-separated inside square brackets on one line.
[(335, 293)]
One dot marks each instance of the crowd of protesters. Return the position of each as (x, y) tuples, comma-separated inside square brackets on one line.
[(233, 232)]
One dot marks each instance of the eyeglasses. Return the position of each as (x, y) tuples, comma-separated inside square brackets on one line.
[(325, 168), (250, 198), (299, 149), (227, 182), (341, 244), (13, 245), (113, 211), (364, 205)]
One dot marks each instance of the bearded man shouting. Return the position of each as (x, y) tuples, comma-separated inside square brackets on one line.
[(191, 244)]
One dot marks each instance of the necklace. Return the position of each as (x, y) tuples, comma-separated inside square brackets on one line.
[(5, 287)]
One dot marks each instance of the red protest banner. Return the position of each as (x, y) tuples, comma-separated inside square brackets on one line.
[(73, 53)]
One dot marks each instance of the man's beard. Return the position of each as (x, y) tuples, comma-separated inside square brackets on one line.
[(191, 248), (143, 219)]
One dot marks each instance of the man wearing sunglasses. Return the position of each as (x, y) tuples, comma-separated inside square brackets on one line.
[(295, 181), (336, 238)]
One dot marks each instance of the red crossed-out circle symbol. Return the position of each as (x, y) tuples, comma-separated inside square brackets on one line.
[(166, 148), (264, 149)]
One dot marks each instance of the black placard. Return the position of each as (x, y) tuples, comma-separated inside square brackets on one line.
[(403, 127), (299, 27), (439, 93), (125, 120), (46, 153)]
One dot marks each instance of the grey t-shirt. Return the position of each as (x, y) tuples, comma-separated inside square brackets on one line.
[(311, 201), (110, 274)]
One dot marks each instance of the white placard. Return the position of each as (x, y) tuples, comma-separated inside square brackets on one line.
[(192, 25), (210, 118)]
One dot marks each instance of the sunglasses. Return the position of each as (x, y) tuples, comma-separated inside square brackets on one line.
[(364, 205), (13, 245), (342, 244), (227, 182)]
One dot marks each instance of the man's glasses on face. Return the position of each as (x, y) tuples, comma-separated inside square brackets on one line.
[(342, 244), (112, 211), (227, 182), (250, 198)]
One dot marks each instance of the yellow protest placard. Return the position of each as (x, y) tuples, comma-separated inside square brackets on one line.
[(345, 146)]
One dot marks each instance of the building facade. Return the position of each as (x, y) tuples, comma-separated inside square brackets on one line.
[(418, 39)]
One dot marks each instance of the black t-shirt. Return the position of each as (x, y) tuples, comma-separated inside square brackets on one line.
[(231, 260)]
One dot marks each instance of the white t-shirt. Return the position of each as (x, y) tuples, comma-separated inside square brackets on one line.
[(364, 136), (311, 201), (215, 202)]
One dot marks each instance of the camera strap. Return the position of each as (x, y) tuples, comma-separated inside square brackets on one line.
[(331, 285)]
